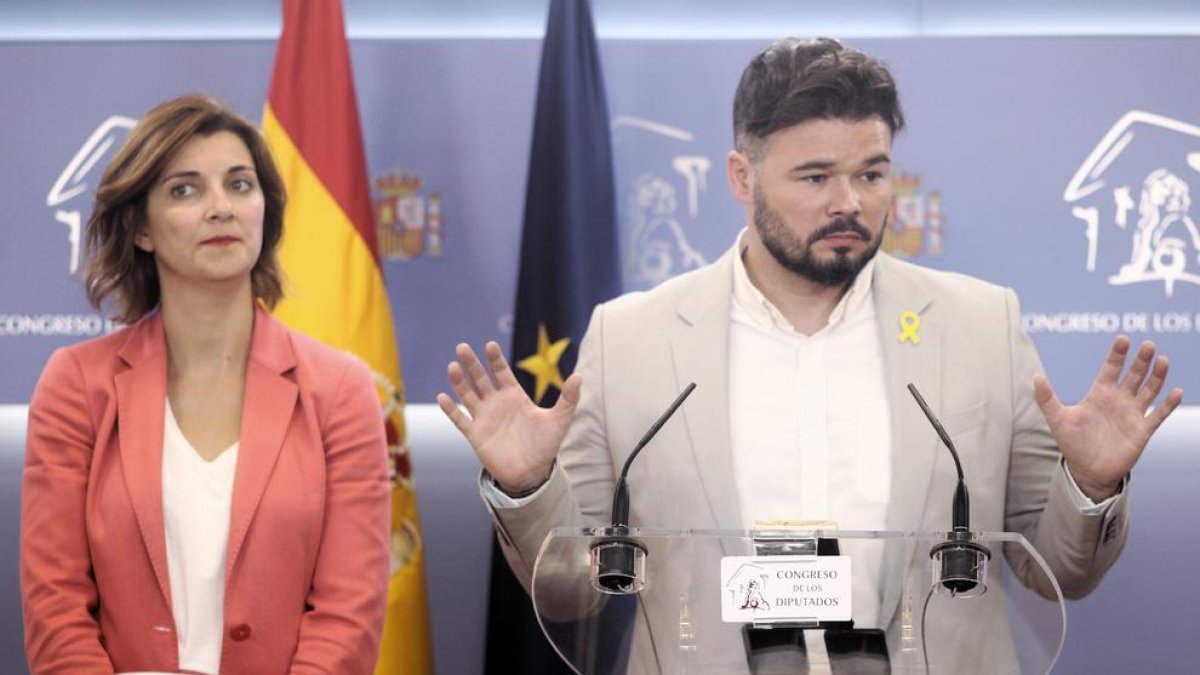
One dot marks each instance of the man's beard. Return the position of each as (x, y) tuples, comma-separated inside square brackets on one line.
[(798, 257)]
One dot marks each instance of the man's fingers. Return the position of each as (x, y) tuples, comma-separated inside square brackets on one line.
[(460, 419), (1163, 410), (499, 366), (1139, 368), (1044, 395), (461, 385), (569, 398), (474, 369), (1154, 384), (1115, 362)]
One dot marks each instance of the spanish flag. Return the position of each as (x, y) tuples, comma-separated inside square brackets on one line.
[(335, 288)]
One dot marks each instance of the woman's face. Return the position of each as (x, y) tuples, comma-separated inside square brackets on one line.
[(204, 215)]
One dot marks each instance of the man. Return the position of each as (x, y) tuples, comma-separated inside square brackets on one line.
[(801, 340)]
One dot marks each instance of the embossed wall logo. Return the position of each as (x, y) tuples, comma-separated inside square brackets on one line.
[(917, 223), (73, 181), (408, 224), (658, 247), (1133, 194)]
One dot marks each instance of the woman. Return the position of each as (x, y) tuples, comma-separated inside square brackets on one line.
[(204, 490)]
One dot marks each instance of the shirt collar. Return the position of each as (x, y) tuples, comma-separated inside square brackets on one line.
[(759, 309)]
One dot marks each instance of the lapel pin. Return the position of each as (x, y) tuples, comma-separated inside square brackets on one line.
[(909, 324)]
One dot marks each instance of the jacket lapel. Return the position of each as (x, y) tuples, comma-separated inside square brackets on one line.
[(914, 445), (141, 406), (268, 405), (701, 340)]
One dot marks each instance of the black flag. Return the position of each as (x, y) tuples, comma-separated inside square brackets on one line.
[(568, 264)]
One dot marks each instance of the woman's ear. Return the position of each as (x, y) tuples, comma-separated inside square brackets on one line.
[(142, 241)]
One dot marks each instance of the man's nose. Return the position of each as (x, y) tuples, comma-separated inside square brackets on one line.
[(844, 199)]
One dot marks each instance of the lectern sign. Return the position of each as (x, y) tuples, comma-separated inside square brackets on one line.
[(785, 588)]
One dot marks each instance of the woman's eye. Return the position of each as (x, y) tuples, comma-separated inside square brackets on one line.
[(181, 190)]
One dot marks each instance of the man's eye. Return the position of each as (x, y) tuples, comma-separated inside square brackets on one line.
[(872, 176), (814, 180)]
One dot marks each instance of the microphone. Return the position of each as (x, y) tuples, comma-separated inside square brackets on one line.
[(962, 562), (618, 561)]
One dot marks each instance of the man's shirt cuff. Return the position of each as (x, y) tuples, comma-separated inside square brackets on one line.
[(496, 497), (1083, 502)]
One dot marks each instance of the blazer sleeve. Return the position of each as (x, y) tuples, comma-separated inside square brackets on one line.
[(58, 595), (1078, 548), (340, 631)]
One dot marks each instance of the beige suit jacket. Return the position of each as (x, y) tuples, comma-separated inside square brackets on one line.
[(973, 365)]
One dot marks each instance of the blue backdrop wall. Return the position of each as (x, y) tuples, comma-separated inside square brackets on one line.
[(1061, 166)]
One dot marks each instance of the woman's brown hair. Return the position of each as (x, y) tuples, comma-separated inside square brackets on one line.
[(115, 266)]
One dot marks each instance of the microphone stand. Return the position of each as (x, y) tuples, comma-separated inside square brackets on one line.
[(618, 561), (962, 561)]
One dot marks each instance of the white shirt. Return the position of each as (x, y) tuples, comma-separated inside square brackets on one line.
[(800, 407), (810, 421), (197, 496)]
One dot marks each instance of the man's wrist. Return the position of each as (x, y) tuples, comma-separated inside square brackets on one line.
[(1097, 492), (523, 492)]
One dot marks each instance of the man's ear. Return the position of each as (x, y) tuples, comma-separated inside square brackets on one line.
[(741, 176)]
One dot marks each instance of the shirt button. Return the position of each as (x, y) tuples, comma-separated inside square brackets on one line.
[(240, 632)]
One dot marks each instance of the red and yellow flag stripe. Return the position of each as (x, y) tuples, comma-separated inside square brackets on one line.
[(335, 288)]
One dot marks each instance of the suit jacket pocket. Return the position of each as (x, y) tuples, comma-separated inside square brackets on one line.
[(965, 420)]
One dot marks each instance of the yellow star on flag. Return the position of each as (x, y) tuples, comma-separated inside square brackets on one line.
[(544, 364)]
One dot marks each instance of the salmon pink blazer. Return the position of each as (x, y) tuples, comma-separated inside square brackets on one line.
[(307, 563)]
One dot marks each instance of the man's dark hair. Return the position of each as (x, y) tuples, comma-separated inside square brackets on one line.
[(793, 81)]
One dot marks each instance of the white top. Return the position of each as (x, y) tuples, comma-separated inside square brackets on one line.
[(810, 422), (197, 496), (809, 415)]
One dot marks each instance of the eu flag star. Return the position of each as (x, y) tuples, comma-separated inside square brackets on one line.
[(544, 364)]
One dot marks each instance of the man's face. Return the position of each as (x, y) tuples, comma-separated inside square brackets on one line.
[(819, 196)]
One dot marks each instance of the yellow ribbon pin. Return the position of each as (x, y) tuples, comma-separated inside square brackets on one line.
[(910, 323)]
